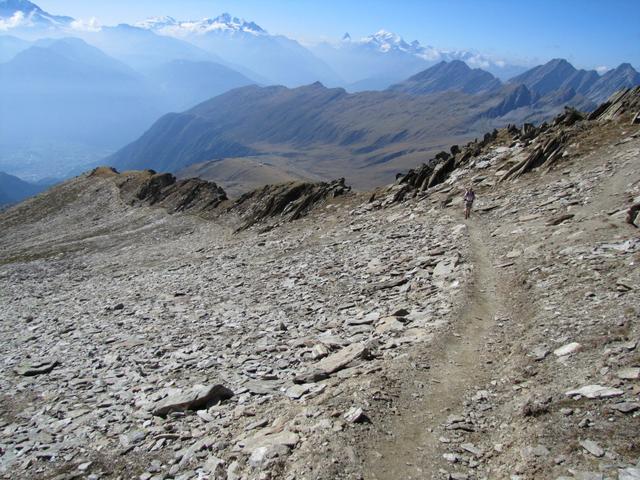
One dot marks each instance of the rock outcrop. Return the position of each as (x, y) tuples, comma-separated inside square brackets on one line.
[(625, 103), (162, 189), (538, 146), (286, 201), (289, 201)]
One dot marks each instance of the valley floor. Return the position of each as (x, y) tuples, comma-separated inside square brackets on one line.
[(364, 341)]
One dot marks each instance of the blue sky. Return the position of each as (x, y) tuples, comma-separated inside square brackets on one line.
[(589, 33)]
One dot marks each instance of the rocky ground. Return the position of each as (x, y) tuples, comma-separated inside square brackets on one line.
[(371, 339)]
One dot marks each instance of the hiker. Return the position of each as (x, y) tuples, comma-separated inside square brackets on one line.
[(469, 197)]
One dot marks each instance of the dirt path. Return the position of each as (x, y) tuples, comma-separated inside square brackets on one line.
[(457, 365)]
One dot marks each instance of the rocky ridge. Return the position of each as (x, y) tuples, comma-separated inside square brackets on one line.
[(534, 146)]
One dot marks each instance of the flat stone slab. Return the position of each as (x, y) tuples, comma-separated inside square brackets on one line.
[(595, 391), (446, 267), (365, 320), (592, 447), (631, 473), (567, 349), (198, 397), (389, 324), (629, 373), (36, 367), (342, 358), (626, 407), (266, 438)]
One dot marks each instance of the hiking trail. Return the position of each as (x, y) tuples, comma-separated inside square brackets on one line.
[(457, 364)]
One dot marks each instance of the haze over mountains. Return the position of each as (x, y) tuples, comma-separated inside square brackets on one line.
[(93, 89), (14, 190), (326, 132)]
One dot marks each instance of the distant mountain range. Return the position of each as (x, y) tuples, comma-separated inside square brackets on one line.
[(323, 132), (81, 90), (363, 136), (375, 61)]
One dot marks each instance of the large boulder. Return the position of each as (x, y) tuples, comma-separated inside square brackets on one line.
[(198, 397)]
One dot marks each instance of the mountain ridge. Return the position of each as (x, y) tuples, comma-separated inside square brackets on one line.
[(446, 76), (296, 129), (14, 190)]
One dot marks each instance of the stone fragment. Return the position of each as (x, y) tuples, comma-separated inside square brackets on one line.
[(626, 407), (132, 438), (214, 466), (319, 351), (595, 391), (471, 448), (560, 219), (296, 391), (568, 349), (261, 456), (267, 438), (389, 324), (451, 457), (592, 447), (257, 424), (391, 283), (583, 475), (539, 353), (310, 376), (515, 253), (630, 473), (446, 267), (537, 451), (199, 396), (355, 415), (629, 373), (458, 476), (365, 320), (36, 367), (342, 358)]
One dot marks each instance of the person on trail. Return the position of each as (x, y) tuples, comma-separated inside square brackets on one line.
[(469, 197)]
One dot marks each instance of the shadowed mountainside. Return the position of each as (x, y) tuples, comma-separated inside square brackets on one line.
[(318, 132)]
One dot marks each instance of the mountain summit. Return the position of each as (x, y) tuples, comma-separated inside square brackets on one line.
[(558, 75), (445, 76), (25, 13), (224, 23)]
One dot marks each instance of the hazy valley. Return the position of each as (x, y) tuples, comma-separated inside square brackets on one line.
[(97, 96)]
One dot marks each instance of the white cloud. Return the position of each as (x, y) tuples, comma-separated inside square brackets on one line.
[(602, 69), (91, 25), (18, 19)]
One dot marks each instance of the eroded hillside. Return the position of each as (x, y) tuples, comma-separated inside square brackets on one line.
[(154, 329)]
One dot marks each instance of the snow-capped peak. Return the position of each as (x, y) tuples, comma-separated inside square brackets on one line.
[(154, 23), (387, 42), (224, 23), (22, 13)]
